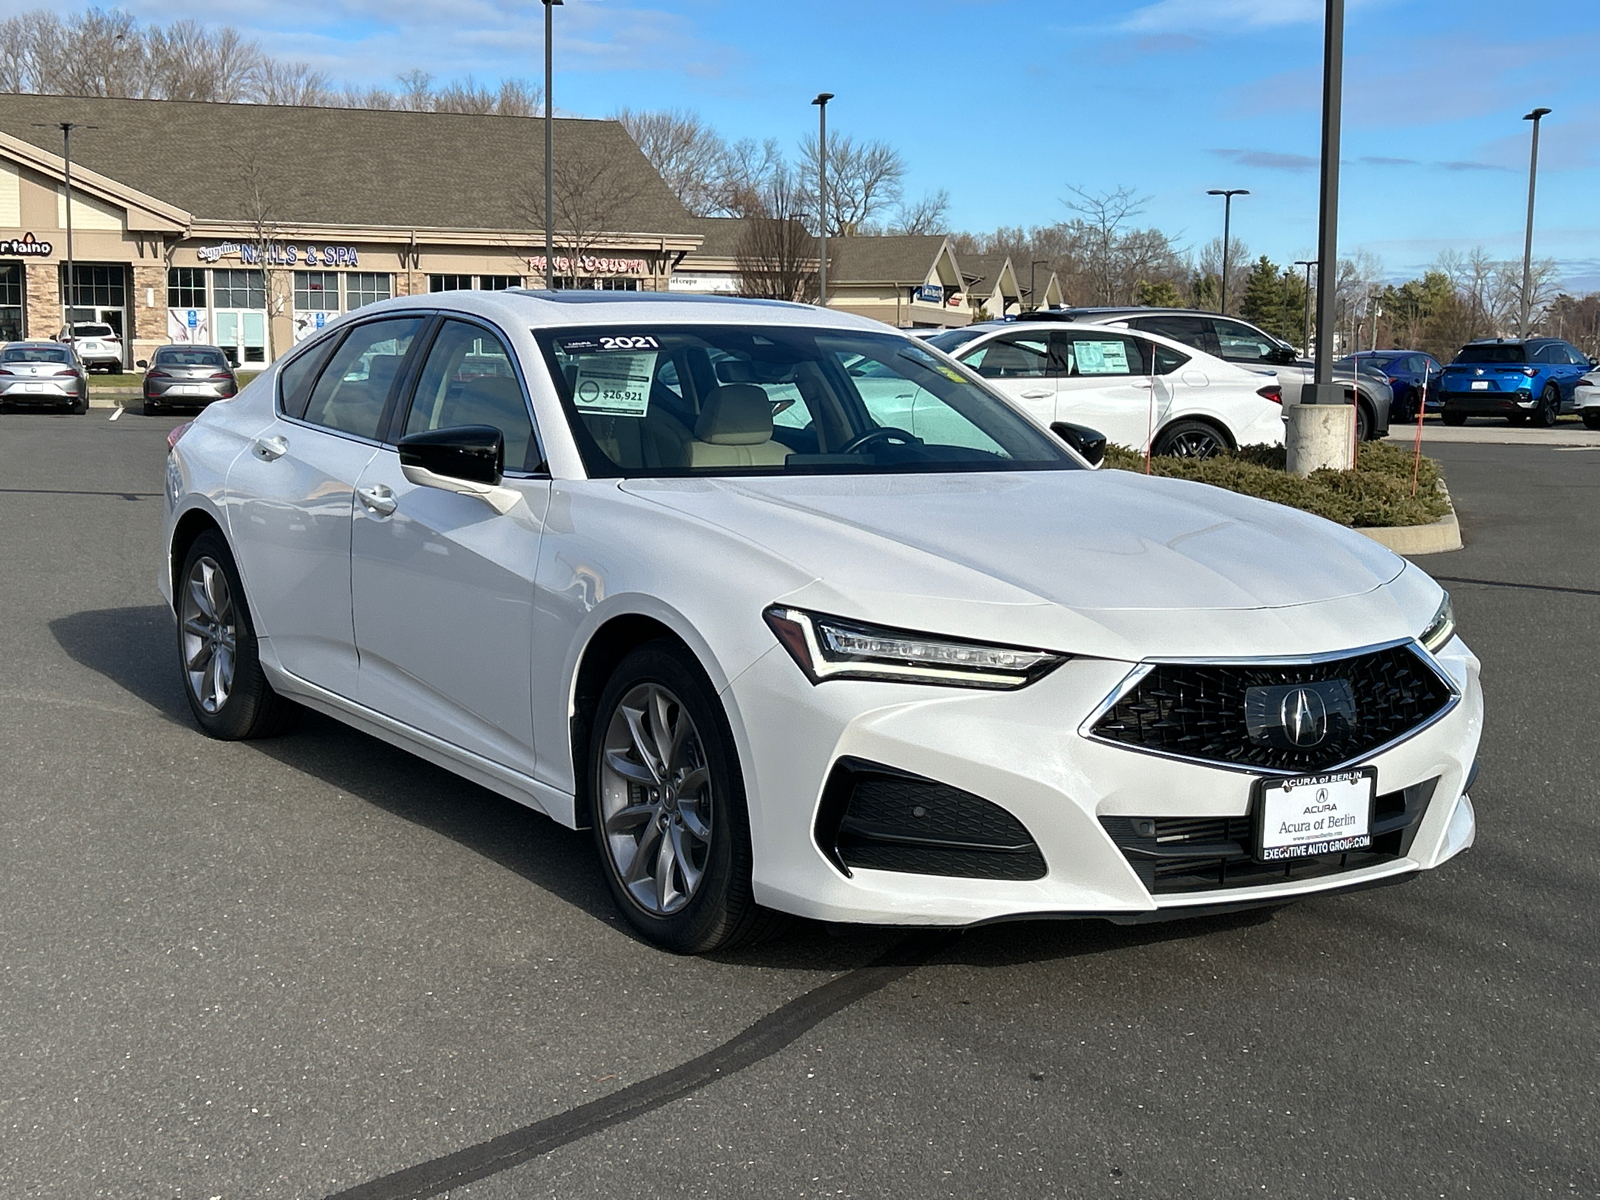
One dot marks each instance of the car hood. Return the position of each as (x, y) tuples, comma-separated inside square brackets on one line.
[(1132, 564)]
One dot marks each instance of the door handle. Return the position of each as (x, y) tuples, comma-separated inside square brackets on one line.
[(378, 499), (1140, 383), (267, 449), (1037, 395)]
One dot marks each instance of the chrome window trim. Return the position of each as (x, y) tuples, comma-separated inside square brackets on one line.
[(1132, 679)]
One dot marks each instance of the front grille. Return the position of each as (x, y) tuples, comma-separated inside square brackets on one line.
[(1172, 855), (1198, 710), (873, 816)]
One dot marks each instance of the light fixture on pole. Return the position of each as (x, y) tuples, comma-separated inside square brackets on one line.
[(1227, 195), (1307, 263), (1033, 282), (69, 287), (549, 153), (822, 196), (1527, 245)]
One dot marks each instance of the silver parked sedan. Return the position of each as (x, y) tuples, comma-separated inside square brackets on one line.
[(191, 376), (43, 373)]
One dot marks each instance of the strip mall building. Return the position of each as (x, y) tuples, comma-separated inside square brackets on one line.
[(249, 226)]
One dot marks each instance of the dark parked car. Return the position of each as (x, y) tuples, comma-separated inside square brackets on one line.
[(187, 376), (1240, 342), (1405, 371), (43, 373), (1533, 380)]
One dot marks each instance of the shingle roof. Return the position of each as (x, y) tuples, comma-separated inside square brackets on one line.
[(983, 270), (902, 258), (721, 235), (344, 166)]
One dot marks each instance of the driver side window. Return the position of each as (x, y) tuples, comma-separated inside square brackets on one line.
[(1239, 343), (468, 379)]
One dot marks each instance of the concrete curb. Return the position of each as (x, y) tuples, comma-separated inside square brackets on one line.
[(1437, 537), (128, 399)]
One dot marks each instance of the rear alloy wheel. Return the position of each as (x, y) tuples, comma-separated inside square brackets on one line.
[(217, 652), (667, 806), (1544, 416), (1190, 439)]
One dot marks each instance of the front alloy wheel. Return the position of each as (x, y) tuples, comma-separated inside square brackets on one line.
[(1190, 439), (656, 800), (667, 805)]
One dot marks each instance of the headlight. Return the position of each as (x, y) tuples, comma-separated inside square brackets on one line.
[(830, 648), (1441, 629)]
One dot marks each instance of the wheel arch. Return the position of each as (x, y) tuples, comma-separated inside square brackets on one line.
[(189, 526)]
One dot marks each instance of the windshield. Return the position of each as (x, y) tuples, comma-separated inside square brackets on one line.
[(1491, 353), (719, 400), (953, 339), (190, 358), (34, 354)]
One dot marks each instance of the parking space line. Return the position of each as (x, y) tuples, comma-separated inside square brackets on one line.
[(760, 1041)]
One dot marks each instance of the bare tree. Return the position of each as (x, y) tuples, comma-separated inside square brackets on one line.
[(105, 56), (930, 214), (688, 154), (748, 169), (776, 254), (591, 194), (1208, 265), (864, 180), (1103, 214), (188, 62), (294, 83)]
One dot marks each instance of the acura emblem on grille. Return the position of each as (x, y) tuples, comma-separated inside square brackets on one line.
[(1299, 716)]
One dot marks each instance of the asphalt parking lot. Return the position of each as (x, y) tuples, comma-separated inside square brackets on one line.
[(315, 965)]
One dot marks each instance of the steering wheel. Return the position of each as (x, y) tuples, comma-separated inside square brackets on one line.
[(880, 434)]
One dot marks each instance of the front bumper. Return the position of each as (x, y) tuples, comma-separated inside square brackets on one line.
[(1022, 751)]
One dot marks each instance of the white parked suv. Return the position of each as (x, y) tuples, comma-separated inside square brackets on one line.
[(1136, 388), (657, 566), (98, 345), (1586, 397)]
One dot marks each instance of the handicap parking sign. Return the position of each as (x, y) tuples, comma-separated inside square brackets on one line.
[(193, 319), (322, 319)]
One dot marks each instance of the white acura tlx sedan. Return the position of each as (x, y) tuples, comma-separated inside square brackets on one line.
[(657, 566)]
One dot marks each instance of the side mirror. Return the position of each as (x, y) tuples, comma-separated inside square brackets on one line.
[(141, 362), (1090, 443), (1593, 361), (471, 453), (1285, 356)]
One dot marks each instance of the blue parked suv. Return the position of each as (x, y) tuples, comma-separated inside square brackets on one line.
[(1406, 371), (1518, 380)]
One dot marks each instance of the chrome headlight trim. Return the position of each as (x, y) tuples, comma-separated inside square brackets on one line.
[(1441, 628), (827, 647)]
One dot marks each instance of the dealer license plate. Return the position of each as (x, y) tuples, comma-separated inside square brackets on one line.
[(1480, 385), (33, 387), (1315, 814), (189, 389)]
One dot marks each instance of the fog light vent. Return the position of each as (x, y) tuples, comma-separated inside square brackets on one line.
[(875, 817)]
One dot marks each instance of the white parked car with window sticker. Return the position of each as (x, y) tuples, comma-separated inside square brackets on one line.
[(690, 573), (1138, 389)]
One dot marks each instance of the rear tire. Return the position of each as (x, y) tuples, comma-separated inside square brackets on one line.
[(1544, 416), (1363, 422), (1453, 418), (1190, 439), (150, 409), (1591, 418), (667, 806), (219, 659)]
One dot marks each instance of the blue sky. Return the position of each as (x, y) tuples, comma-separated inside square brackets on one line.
[(1007, 102)]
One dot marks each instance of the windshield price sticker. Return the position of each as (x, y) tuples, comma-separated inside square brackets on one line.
[(614, 385), (1316, 814), (606, 343)]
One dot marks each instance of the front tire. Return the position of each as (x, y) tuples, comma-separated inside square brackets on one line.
[(1591, 418), (217, 652), (1190, 439), (667, 804)]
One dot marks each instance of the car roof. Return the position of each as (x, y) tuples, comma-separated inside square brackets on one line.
[(561, 309), (51, 342)]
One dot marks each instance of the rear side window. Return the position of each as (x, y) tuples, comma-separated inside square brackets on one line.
[(1191, 331), (352, 393), (1094, 354), (298, 374), (1492, 353)]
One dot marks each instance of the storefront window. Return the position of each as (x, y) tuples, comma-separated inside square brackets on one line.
[(186, 287), (10, 302), (316, 291), (94, 287), (498, 283), (449, 283), (366, 287), (615, 285), (473, 283), (238, 289)]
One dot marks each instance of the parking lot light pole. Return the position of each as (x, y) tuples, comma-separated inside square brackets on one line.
[(549, 153), (822, 196), (1527, 245), (66, 128), (1307, 263), (1227, 195), (1320, 431)]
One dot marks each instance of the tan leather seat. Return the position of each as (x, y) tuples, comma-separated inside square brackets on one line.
[(735, 430)]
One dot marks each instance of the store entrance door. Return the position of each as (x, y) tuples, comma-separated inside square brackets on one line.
[(242, 334)]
